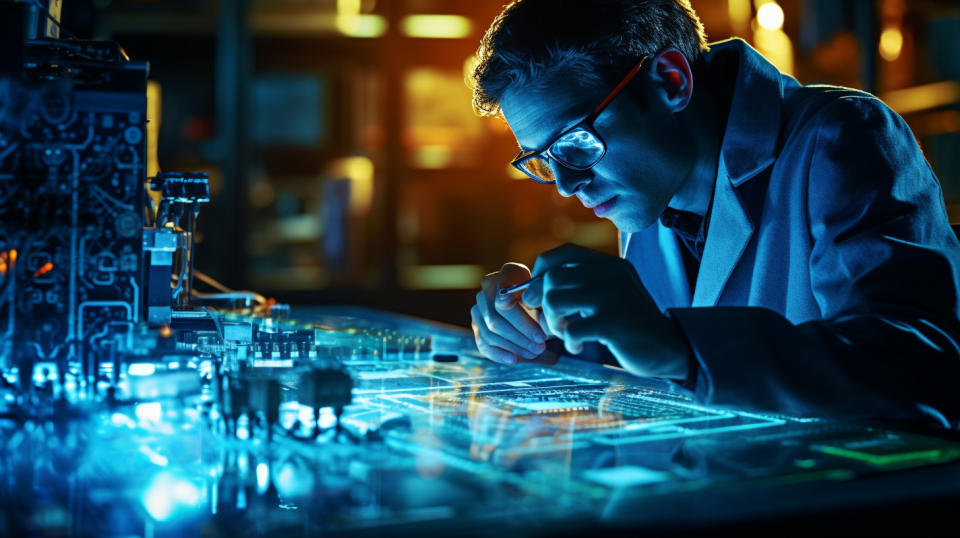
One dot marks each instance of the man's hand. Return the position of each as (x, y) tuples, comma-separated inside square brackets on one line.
[(589, 296), (504, 330)]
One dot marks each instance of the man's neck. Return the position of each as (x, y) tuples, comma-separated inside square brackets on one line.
[(705, 118)]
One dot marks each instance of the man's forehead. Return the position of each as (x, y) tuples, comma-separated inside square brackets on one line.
[(536, 115)]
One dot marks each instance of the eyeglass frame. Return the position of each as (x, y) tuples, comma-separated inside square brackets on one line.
[(585, 124)]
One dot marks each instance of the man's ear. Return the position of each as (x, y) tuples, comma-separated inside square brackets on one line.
[(671, 72)]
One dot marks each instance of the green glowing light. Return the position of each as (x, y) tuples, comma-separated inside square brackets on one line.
[(435, 277), (883, 459)]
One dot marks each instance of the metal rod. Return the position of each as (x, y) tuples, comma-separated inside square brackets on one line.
[(518, 287)]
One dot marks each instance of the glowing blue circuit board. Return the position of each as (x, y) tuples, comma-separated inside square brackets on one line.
[(422, 444)]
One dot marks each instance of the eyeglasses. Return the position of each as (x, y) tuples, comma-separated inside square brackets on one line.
[(577, 148)]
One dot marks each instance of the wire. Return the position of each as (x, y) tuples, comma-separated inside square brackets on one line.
[(210, 281), (207, 279), (54, 20), (216, 322)]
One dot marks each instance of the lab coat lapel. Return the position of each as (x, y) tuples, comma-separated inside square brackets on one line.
[(727, 238), (749, 147)]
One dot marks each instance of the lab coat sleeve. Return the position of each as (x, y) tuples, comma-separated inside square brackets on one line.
[(884, 272)]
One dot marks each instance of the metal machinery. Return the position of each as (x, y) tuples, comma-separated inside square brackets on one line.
[(131, 404)]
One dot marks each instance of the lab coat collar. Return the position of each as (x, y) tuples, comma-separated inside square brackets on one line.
[(753, 126), (750, 145)]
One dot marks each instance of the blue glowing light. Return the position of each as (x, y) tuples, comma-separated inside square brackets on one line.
[(141, 369), (167, 495), (327, 418), (263, 477), (149, 412)]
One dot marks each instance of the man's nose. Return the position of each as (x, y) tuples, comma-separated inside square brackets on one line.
[(569, 181)]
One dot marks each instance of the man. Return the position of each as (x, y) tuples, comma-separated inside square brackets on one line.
[(784, 248)]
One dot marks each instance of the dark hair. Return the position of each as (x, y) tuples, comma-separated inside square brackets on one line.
[(532, 41)]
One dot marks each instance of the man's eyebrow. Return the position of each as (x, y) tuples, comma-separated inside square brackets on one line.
[(569, 113)]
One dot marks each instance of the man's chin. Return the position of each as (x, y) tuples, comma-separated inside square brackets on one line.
[(630, 223)]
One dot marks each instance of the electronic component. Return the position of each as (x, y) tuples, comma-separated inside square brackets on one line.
[(72, 152), (132, 404)]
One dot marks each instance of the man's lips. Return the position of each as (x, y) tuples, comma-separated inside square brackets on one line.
[(602, 208)]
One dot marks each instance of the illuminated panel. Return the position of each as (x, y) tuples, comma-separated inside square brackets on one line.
[(890, 450)]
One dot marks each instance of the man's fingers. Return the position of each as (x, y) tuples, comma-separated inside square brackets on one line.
[(533, 295), (568, 254), (493, 353), (512, 274), (490, 336), (520, 343), (523, 323), (581, 275), (579, 260), (564, 306), (580, 330), (560, 303), (546, 328)]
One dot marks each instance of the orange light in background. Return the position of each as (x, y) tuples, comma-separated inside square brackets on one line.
[(44, 269), (739, 13), (441, 132), (770, 16), (891, 43), (769, 38), (360, 171), (166, 331), (926, 97), (7, 257)]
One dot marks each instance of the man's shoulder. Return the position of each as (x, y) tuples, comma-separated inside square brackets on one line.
[(822, 109)]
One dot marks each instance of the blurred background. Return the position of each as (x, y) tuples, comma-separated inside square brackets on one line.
[(347, 165)]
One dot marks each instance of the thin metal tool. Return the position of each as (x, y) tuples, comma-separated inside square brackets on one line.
[(518, 287)]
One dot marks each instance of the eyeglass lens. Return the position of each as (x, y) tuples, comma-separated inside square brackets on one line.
[(539, 168), (579, 148)]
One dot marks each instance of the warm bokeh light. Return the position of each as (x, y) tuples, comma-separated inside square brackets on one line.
[(436, 26), (363, 145), (362, 25), (438, 277), (348, 7), (359, 170), (891, 43), (923, 97), (770, 16), (739, 12)]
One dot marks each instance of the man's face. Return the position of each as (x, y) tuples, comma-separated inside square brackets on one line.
[(647, 159)]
